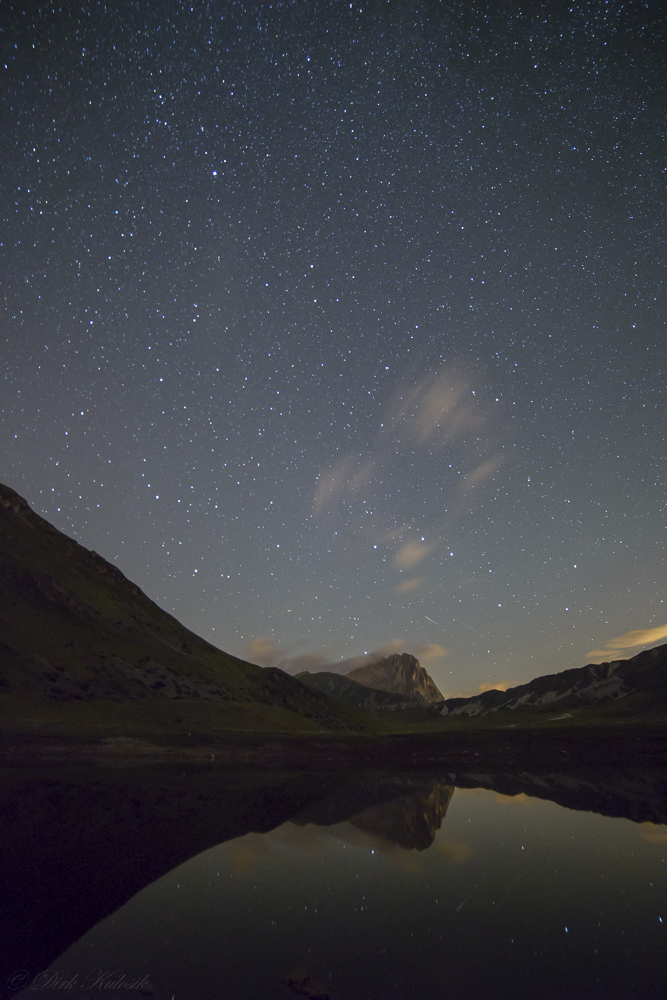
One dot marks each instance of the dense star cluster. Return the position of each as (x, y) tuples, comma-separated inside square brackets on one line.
[(338, 325)]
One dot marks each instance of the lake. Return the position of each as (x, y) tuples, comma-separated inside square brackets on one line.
[(218, 883)]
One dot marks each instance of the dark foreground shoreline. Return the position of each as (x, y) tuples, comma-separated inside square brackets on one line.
[(584, 746)]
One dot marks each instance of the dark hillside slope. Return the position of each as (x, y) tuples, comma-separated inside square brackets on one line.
[(73, 628)]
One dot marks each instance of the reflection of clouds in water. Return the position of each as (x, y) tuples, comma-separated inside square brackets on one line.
[(653, 833), (454, 851), (290, 843), (285, 846), (445, 848), (516, 800), (245, 856)]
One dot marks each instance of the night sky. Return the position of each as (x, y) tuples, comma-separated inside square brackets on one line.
[(328, 322)]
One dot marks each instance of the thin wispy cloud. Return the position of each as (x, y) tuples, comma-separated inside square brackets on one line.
[(262, 651), (408, 586), (431, 651), (438, 409), (487, 686), (411, 553), (629, 640), (433, 410), (266, 653), (345, 477), (480, 474)]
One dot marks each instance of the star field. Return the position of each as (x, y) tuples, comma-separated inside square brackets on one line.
[(328, 322)]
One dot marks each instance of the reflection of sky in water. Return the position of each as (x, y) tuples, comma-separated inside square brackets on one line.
[(517, 897)]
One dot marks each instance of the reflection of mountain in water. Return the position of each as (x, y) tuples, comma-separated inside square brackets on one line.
[(407, 811), (637, 795), (75, 844), (411, 821)]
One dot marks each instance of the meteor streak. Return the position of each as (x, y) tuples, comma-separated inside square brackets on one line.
[(458, 621)]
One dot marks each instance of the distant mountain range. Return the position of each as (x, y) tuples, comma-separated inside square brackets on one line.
[(595, 684), (74, 629), (399, 682)]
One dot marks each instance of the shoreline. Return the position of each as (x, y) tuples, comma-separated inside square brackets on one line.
[(577, 747)]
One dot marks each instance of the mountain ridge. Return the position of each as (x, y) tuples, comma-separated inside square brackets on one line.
[(592, 684), (74, 628)]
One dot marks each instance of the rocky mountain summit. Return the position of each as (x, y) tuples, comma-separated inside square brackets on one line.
[(399, 673), (384, 685), (595, 684)]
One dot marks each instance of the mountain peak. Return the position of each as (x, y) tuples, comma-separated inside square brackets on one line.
[(400, 673)]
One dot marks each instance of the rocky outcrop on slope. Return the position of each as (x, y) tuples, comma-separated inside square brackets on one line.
[(352, 693)]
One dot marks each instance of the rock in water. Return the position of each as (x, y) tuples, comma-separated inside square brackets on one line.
[(400, 673), (301, 983)]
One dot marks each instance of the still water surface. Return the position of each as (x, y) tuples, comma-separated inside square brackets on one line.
[(515, 897)]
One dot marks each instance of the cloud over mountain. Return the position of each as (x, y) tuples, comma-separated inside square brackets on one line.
[(637, 637)]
